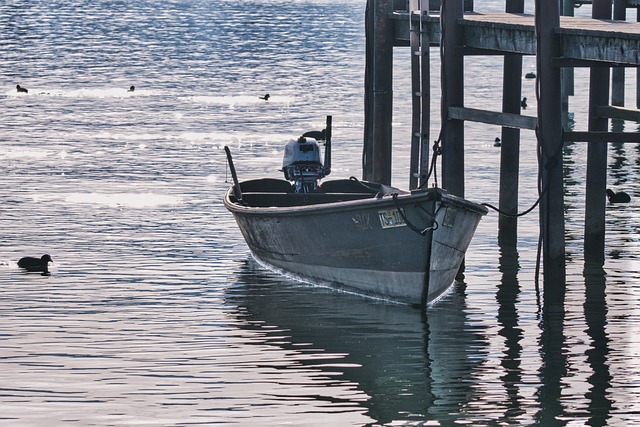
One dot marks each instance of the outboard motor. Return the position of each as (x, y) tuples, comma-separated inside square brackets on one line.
[(302, 164)]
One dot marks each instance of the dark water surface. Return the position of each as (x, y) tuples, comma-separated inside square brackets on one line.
[(155, 315)]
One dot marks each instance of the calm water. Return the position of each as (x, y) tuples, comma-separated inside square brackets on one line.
[(154, 313)]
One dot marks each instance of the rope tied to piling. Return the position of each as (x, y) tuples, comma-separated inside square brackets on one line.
[(512, 215), (437, 151), (551, 162)]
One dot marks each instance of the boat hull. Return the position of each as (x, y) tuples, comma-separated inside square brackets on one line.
[(406, 248)]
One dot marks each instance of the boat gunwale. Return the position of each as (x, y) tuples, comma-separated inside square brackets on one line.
[(320, 208), (448, 198), (385, 201)]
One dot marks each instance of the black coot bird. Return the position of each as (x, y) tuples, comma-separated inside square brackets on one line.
[(497, 143), (265, 97), (36, 264), (619, 197), (132, 89), (21, 89), (523, 103)]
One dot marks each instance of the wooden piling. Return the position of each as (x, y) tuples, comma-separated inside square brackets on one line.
[(566, 73), (416, 91), (425, 126), (510, 150), (595, 200), (421, 94), (416, 88), (452, 69), (618, 73), (378, 92), (549, 134)]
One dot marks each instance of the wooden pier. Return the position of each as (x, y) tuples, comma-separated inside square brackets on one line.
[(559, 43)]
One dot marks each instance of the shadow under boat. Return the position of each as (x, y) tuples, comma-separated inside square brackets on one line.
[(413, 365)]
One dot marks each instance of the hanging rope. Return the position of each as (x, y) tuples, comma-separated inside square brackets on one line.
[(421, 232), (511, 215), (437, 151)]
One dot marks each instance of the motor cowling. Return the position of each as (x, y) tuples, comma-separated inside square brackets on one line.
[(302, 164)]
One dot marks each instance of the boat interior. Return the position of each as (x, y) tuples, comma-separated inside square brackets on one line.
[(269, 192)]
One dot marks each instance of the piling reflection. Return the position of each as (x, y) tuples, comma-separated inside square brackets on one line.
[(595, 313), (507, 298), (412, 365), (554, 368), (619, 165)]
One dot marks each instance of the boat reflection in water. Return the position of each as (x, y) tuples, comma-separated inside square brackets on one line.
[(410, 365)]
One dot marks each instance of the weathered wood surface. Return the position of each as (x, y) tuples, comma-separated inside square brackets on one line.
[(608, 41), (600, 40), (378, 92), (509, 120), (602, 137), (510, 149), (629, 3), (505, 32), (596, 183), (549, 135), (613, 112), (452, 74)]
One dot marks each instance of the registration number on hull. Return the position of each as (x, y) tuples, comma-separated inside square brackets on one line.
[(391, 218)]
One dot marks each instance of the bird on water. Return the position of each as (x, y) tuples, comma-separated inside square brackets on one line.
[(265, 97), (132, 89), (36, 264), (619, 197), (21, 89), (523, 103), (496, 142)]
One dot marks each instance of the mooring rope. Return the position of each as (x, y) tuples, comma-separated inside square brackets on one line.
[(437, 151), (409, 224)]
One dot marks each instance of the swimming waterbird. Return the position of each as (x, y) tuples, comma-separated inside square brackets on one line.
[(35, 264), (619, 197)]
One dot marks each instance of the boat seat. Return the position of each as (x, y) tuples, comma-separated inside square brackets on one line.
[(347, 186), (266, 185), (264, 200)]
